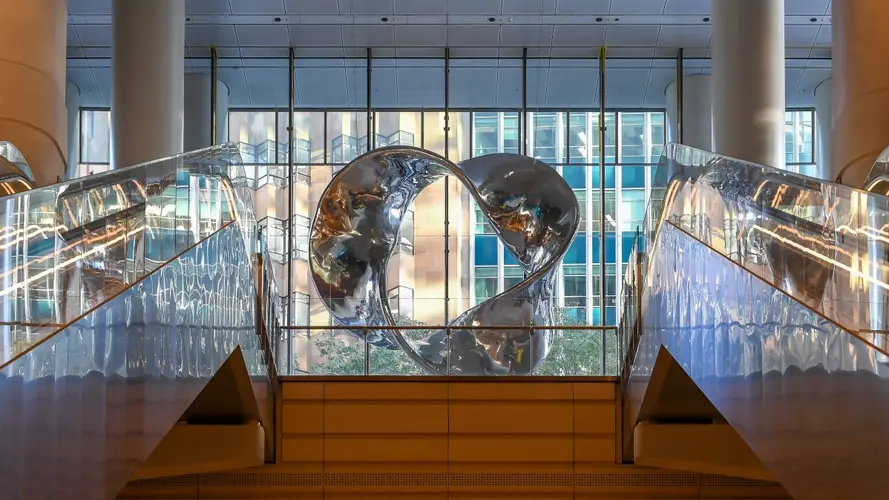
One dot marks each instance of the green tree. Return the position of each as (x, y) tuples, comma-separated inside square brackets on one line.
[(572, 352)]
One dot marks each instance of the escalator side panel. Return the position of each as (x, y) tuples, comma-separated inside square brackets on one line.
[(809, 398), (80, 412)]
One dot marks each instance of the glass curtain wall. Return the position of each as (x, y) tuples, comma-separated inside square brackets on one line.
[(448, 258)]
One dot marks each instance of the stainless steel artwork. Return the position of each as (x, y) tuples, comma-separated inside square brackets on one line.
[(531, 208)]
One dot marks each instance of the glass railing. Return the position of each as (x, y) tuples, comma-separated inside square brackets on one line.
[(67, 248), (573, 350), (825, 245)]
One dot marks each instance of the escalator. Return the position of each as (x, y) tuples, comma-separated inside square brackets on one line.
[(130, 312), (760, 303)]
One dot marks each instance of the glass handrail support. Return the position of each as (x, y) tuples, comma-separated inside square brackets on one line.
[(151, 269), (769, 290)]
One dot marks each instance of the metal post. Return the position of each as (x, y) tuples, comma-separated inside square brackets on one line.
[(371, 134), (214, 71), (602, 238), (680, 84), (291, 89), (523, 116), (447, 220)]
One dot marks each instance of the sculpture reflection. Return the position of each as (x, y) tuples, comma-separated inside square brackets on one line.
[(531, 208)]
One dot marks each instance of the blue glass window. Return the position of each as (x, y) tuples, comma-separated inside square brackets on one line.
[(610, 248), (575, 176), (485, 250), (632, 177), (577, 251)]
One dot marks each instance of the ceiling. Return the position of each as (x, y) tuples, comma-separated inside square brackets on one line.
[(639, 35)]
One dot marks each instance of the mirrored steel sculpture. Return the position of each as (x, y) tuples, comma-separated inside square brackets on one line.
[(356, 229)]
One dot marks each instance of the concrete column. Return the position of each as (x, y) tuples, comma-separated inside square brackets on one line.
[(72, 103), (32, 83), (824, 128), (748, 80), (148, 71), (861, 87), (697, 112), (197, 112)]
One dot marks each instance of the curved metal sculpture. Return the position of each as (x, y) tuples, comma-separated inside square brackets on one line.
[(532, 209)]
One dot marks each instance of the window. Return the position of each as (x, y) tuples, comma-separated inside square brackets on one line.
[(401, 302), (486, 138), (482, 224), (632, 209), (299, 312), (406, 237), (485, 283), (512, 276), (546, 143), (575, 293), (300, 237), (798, 141), (580, 194)]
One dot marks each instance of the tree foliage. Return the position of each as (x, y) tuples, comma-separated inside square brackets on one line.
[(572, 352)]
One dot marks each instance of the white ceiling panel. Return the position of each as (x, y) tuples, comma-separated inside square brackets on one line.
[(94, 35), (474, 36), (687, 7), (420, 7), (473, 6), (572, 87), (72, 36), (533, 7), (368, 35), (257, 6), (311, 7), (638, 7), (264, 35), (800, 35), (578, 36), (367, 7), (211, 35), (637, 52), (684, 36), (824, 37), (421, 36), (626, 35), (807, 7), (589, 7), (207, 7), (526, 35), (81, 7), (315, 36)]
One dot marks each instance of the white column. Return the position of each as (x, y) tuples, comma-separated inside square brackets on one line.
[(72, 103), (824, 128), (32, 83), (697, 112), (748, 80), (861, 87), (197, 112), (148, 69)]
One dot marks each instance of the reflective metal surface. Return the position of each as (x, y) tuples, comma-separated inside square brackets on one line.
[(81, 411), (769, 289), (15, 174), (121, 294), (532, 210)]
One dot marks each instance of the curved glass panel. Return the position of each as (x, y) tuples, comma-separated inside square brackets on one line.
[(768, 289)]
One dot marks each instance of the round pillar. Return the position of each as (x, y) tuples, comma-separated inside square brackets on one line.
[(697, 112), (824, 129), (72, 104), (198, 112), (861, 87), (148, 70), (748, 80), (32, 85)]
